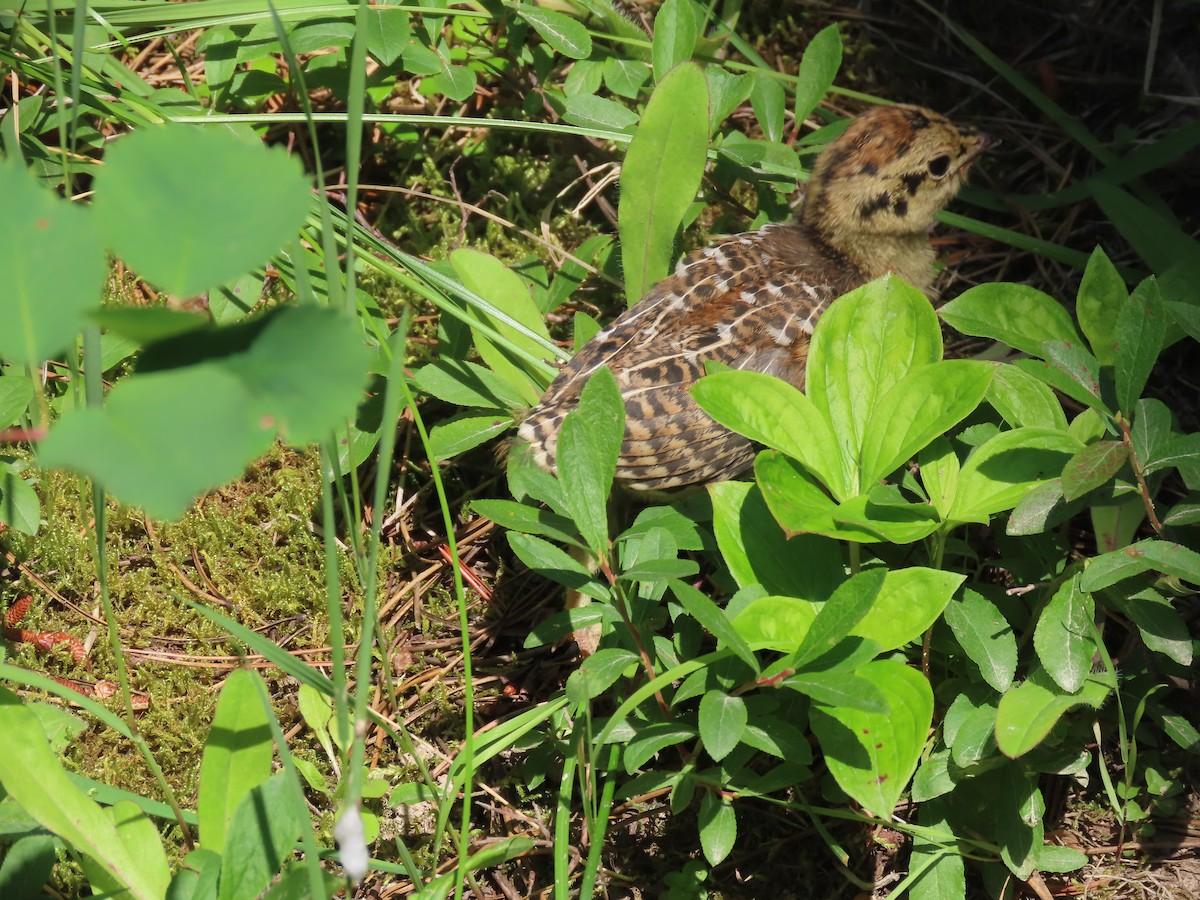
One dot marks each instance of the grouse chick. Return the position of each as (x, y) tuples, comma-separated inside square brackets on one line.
[(751, 300)]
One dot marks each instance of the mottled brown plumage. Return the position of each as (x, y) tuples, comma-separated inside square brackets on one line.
[(751, 300)]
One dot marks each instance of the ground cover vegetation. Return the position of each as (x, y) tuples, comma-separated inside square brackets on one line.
[(938, 644)]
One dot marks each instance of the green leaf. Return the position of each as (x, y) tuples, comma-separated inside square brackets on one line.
[(722, 721), (714, 620), (998, 474), (872, 756), (1160, 624), (818, 67), (758, 552), (718, 827), (211, 402), (1014, 314), (1093, 466), (840, 690), (1141, 329), (456, 82), (1028, 712), (139, 833), (986, 638), (625, 77), (388, 33), (940, 872), (62, 808), (461, 433), (843, 611), (676, 28), (598, 673), (20, 506), (767, 100), (1102, 296), (527, 519), (726, 92), (1023, 400), (939, 469), (909, 602), (1076, 363), (588, 446), (148, 324), (1063, 636), (590, 111), (566, 35), (557, 565), (16, 393), (922, 405), (1144, 556), (54, 267), (1182, 450), (776, 623), (1053, 375), (262, 830), (237, 755), (661, 175), (488, 277), (864, 344), (465, 383), (155, 176), (770, 411), (652, 739)]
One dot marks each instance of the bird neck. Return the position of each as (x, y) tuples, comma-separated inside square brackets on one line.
[(908, 255)]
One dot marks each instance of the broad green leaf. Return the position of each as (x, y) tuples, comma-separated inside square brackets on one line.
[(16, 393), (840, 690), (939, 868), (556, 564), (527, 519), (726, 92), (770, 411), (625, 77), (864, 344), (1024, 400), (650, 740), (1180, 451), (237, 755), (1028, 712), (974, 738), (1093, 466), (216, 232), (818, 67), (909, 602), (924, 404), (20, 506), (588, 445), (53, 271), (490, 857), (465, 383), (456, 82), (29, 861), (718, 827), (1070, 358), (148, 324), (598, 673), (1054, 376), (566, 35), (488, 277), (461, 433), (767, 100), (204, 404), (1014, 314), (590, 111), (139, 833), (388, 33), (62, 808), (1063, 636), (776, 623), (1059, 859), (1003, 803), (1144, 556), (261, 833), (1141, 330), (758, 552), (873, 755), (661, 175), (939, 468), (722, 721), (799, 504), (1102, 295), (839, 616), (998, 474), (676, 28), (1160, 624), (986, 638), (714, 620)]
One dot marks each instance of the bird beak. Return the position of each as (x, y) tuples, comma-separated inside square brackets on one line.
[(983, 142)]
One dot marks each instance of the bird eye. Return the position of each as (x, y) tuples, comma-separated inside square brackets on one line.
[(939, 165)]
